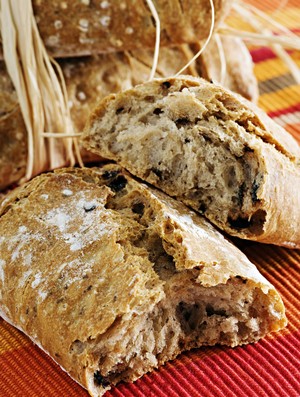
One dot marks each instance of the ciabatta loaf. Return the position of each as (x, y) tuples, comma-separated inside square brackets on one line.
[(113, 278), (90, 79), (84, 27), (208, 147), (227, 60)]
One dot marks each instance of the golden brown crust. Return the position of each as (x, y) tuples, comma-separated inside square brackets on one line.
[(88, 80), (13, 138), (79, 276), (264, 204), (237, 65), (79, 28)]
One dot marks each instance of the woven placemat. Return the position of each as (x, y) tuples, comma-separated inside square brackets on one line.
[(267, 368)]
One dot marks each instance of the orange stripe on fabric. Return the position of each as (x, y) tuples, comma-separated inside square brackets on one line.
[(294, 129), (273, 6), (269, 69), (11, 338), (29, 372)]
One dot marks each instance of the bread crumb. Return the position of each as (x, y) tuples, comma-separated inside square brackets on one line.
[(81, 96), (85, 2), (42, 295), (25, 277), (64, 5), (2, 264), (58, 24), (129, 30), (67, 192), (27, 259), (52, 40), (83, 24), (58, 218), (89, 206), (105, 21), (104, 4), (85, 40), (116, 43), (37, 280), (45, 196)]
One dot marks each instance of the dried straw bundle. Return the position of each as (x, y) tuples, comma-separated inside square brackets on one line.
[(39, 86)]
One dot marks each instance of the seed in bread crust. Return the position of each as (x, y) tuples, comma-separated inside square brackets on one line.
[(100, 380), (166, 84), (118, 184)]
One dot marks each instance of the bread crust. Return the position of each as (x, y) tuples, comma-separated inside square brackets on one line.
[(76, 277), (80, 28), (238, 66), (271, 211), (87, 79)]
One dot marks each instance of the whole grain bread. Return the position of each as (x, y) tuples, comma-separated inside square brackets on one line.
[(113, 278), (237, 65), (208, 147), (84, 27), (90, 79)]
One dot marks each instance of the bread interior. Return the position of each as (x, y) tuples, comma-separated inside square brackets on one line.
[(202, 152), (189, 315)]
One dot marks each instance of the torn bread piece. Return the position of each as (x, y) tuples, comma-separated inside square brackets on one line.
[(113, 278), (208, 147), (71, 28), (90, 79), (227, 60)]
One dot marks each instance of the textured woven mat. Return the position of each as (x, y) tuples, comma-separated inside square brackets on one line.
[(270, 367)]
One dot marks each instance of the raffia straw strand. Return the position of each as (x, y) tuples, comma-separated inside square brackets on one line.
[(9, 35), (40, 89), (247, 11), (266, 18), (222, 59), (157, 38), (256, 38), (206, 42), (68, 133), (61, 135)]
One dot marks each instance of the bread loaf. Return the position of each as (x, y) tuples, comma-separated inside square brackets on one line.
[(85, 27), (113, 278), (88, 80), (237, 66), (211, 149)]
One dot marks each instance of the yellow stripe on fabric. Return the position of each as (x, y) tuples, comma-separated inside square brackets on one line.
[(11, 338), (289, 17), (280, 99), (271, 68)]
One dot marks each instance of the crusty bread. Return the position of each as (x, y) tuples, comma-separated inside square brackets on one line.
[(85, 27), (238, 66), (113, 278), (88, 80), (209, 148), (13, 138)]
